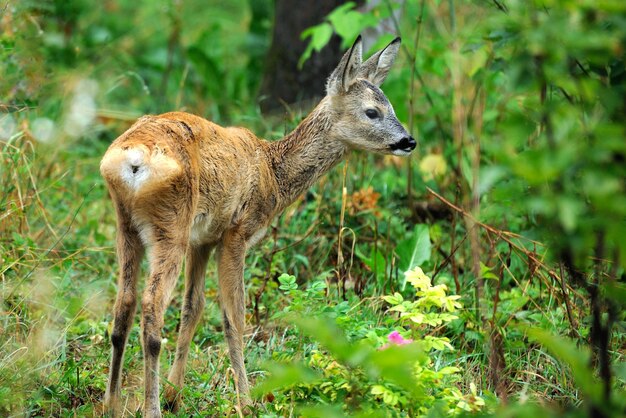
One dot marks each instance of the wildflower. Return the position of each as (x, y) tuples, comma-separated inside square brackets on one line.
[(395, 338)]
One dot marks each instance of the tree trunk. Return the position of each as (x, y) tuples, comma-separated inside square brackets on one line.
[(283, 83)]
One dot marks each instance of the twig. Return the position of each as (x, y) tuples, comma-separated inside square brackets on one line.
[(506, 236), (344, 201), (500, 6), (409, 186), (414, 69), (172, 43), (568, 308), (447, 260)]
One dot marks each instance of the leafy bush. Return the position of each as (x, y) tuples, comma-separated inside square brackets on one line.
[(381, 372)]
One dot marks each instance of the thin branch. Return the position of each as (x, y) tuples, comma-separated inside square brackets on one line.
[(418, 76), (506, 236), (500, 6), (448, 259), (409, 187)]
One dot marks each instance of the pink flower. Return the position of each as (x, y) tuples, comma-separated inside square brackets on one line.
[(397, 339)]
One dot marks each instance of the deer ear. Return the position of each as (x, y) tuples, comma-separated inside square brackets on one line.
[(376, 68), (347, 70)]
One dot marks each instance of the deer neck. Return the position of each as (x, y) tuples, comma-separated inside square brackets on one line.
[(307, 153)]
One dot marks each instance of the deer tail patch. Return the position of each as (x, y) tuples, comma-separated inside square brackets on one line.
[(137, 167)]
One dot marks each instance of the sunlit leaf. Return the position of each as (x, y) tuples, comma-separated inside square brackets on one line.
[(415, 250), (320, 35)]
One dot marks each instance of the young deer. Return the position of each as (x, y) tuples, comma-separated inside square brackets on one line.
[(183, 186)]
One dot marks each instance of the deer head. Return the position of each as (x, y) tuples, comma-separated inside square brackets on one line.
[(364, 118)]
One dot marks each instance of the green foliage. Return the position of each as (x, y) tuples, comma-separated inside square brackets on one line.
[(366, 375), (577, 359), (531, 122), (345, 21), (425, 310), (415, 250)]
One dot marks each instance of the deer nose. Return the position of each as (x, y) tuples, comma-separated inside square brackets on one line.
[(406, 143), (411, 142)]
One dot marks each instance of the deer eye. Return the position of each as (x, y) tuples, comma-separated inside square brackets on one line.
[(372, 113)]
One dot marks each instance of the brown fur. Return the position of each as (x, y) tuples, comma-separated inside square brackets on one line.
[(183, 186)]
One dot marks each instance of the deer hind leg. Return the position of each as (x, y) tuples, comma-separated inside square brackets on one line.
[(166, 257), (230, 262), (129, 253), (193, 305)]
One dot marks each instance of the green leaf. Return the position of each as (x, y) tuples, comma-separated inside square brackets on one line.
[(376, 261), (393, 300), (321, 411), (317, 287), (347, 24), (287, 282), (284, 375), (332, 338), (205, 65), (378, 390), (615, 291), (303, 259), (620, 371), (569, 212), (486, 273), (320, 35), (415, 250), (286, 278), (341, 10), (334, 411), (488, 177), (476, 60), (449, 370), (467, 171)]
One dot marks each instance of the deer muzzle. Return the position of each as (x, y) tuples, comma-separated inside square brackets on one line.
[(406, 144)]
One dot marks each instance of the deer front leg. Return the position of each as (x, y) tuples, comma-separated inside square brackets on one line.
[(230, 264), (166, 262), (129, 253), (193, 305)]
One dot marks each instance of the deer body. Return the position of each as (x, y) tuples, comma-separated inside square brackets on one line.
[(183, 187)]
